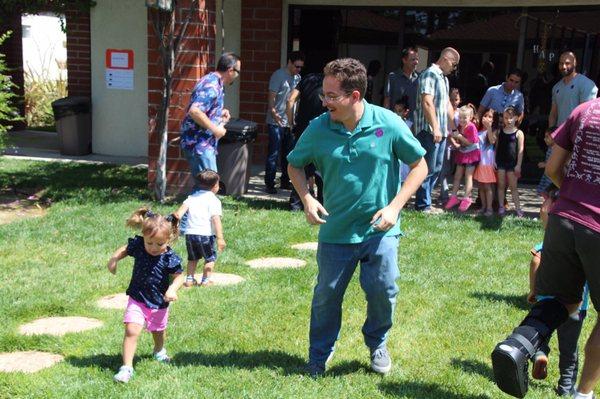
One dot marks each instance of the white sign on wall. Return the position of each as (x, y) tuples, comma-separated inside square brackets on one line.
[(119, 79), (119, 69)]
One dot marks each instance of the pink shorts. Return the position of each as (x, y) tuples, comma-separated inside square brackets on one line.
[(139, 313)]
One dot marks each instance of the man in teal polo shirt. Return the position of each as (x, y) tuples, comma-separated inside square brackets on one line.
[(357, 147)]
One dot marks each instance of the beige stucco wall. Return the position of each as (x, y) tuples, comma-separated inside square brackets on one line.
[(119, 117), (232, 17)]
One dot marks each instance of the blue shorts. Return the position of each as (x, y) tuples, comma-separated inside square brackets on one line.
[(201, 247)]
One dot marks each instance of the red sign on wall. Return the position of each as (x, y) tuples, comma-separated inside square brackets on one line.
[(119, 59)]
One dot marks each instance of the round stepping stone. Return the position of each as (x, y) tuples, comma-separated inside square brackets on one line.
[(222, 278), (115, 301), (27, 362), (308, 246), (59, 325), (275, 263)]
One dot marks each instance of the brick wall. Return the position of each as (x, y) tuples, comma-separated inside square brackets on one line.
[(78, 53), (261, 50), (195, 59)]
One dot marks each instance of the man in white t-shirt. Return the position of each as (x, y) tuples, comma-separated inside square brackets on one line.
[(203, 227)]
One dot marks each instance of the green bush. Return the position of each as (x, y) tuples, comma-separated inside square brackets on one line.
[(40, 91)]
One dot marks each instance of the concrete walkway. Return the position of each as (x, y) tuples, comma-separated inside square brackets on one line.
[(44, 146)]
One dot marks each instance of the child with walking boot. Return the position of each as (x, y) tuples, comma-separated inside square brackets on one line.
[(567, 334), (149, 290), (203, 227)]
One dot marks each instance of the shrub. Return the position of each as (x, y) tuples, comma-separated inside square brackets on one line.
[(40, 91)]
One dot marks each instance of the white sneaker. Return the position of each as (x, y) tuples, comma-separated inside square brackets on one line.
[(578, 395), (124, 374)]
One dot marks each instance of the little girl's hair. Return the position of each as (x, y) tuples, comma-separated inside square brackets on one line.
[(151, 223), (495, 120), (465, 110), (512, 110), (469, 110)]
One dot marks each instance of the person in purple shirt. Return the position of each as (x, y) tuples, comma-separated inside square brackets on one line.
[(205, 118), (571, 253)]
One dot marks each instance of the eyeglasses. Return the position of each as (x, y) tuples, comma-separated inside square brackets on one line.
[(236, 70), (298, 66), (330, 99), (454, 66)]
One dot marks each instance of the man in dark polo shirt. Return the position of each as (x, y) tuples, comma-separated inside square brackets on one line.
[(308, 106), (403, 82)]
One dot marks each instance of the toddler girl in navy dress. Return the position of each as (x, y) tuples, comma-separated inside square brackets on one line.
[(149, 290)]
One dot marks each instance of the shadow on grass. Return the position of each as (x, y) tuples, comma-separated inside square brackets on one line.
[(344, 368), (82, 183), (518, 301), (107, 362), (419, 390), (289, 364), (473, 367), (493, 222), (254, 203)]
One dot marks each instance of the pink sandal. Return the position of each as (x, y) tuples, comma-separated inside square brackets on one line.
[(452, 202), (465, 204)]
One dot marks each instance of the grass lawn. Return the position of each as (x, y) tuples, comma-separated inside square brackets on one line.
[(462, 289)]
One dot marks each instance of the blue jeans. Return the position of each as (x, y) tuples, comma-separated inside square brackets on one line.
[(434, 158), (281, 142), (378, 259), (200, 162)]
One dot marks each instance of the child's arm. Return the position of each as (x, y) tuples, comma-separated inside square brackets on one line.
[(520, 149), (533, 267), (453, 142), (181, 211), (171, 294), (216, 221), (117, 256), (492, 136)]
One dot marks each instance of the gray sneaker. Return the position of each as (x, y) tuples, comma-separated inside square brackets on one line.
[(380, 360)]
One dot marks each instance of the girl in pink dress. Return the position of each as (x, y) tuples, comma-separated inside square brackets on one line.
[(485, 172), (466, 158)]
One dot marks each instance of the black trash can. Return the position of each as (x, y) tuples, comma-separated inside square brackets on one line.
[(235, 153), (73, 124)]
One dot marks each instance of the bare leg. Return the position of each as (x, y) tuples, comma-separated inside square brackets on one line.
[(191, 270), (482, 196), (487, 188), (512, 183), (159, 340), (132, 332), (457, 178), (469, 180), (207, 272), (501, 186)]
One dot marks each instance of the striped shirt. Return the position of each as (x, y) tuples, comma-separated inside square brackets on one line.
[(432, 81)]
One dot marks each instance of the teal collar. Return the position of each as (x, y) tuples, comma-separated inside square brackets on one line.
[(365, 122)]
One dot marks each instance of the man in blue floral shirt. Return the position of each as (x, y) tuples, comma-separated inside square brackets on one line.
[(204, 122)]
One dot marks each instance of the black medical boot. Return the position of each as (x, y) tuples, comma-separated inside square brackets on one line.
[(510, 357)]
